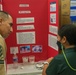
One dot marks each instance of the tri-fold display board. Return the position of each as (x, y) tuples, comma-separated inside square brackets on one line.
[(53, 23), (35, 25)]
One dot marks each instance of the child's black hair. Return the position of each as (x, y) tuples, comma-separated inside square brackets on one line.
[(69, 31)]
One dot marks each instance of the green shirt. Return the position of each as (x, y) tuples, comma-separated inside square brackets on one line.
[(58, 65)]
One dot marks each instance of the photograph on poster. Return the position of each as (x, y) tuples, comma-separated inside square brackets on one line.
[(37, 48), (13, 50), (52, 6), (25, 27), (25, 49), (53, 18)]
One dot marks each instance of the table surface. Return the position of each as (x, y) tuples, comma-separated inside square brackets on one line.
[(23, 69)]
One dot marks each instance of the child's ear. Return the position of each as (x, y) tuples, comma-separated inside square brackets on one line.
[(64, 39)]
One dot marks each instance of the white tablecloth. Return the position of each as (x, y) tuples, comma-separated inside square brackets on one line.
[(28, 69)]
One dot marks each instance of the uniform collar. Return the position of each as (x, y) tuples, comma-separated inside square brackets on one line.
[(72, 49), (0, 35)]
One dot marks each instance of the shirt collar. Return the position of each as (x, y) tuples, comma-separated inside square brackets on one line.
[(72, 49), (0, 36)]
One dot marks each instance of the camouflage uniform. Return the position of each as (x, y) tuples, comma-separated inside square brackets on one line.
[(2, 56)]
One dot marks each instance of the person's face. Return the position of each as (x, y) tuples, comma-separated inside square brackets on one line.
[(6, 27), (61, 40), (58, 38)]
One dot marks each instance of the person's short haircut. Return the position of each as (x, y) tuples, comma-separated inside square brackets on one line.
[(69, 31), (4, 15)]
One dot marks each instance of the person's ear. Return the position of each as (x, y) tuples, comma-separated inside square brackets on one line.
[(64, 39)]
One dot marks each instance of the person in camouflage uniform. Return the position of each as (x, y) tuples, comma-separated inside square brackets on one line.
[(6, 23)]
